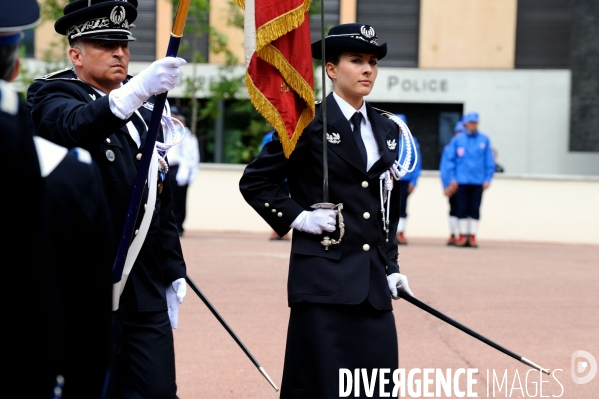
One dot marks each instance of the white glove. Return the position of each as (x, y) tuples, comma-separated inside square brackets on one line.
[(398, 281), (161, 76), (182, 176), (175, 293), (314, 222)]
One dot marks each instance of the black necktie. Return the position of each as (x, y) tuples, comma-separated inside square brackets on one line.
[(356, 120)]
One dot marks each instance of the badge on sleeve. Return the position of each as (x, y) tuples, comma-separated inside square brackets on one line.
[(391, 144), (461, 151), (110, 155)]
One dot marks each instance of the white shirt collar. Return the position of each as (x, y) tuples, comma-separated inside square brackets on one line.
[(349, 111)]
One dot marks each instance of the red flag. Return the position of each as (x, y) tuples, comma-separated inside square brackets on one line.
[(279, 76)]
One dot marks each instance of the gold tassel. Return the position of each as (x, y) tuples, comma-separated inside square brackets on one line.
[(281, 25)]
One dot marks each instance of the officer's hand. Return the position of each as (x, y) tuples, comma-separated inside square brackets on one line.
[(410, 188), (452, 188), (175, 293), (159, 77), (486, 185), (182, 176), (316, 221), (397, 281)]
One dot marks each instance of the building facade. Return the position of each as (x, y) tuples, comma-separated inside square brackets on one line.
[(527, 66)]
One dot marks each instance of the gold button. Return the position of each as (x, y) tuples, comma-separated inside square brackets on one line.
[(108, 141), (266, 204), (279, 214), (274, 210), (138, 156), (366, 247), (136, 231), (366, 215), (364, 184)]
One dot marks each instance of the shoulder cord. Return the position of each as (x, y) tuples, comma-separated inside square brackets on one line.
[(173, 135), (397, 170)]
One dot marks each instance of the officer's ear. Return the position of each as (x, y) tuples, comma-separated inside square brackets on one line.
[(75, 55), (16, 69)]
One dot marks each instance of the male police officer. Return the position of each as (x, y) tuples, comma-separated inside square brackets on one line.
[(97, 106), (470, 168), (55, 215)]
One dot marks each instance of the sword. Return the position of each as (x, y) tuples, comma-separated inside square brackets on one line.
[(222, 321), (449, 320)]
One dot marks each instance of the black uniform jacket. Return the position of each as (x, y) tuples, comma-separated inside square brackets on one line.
[(70, 113), (355, 269)]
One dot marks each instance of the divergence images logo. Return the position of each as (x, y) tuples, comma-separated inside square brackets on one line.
[(580, 366)]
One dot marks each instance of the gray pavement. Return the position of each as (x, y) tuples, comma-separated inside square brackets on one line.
[(540, 301)]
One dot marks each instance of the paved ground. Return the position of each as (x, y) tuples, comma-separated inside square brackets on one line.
[(540, 301)]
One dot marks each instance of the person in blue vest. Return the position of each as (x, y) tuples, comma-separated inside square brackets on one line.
[(444, 175), (406, 185), (470, 168)]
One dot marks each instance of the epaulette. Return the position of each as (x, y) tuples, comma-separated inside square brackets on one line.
[(383, 112), (82, 155), (9, 99), (57, 75)]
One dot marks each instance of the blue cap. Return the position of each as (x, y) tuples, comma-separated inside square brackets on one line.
[(459, 126), (15, 17), (402, 117), (471, 117)]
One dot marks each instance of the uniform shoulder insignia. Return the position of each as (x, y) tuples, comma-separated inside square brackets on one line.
[(383, 112), (9, 99), (63, 74), (317, 102), (83, 156)]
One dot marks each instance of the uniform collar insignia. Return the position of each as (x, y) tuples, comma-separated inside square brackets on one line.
[(93, 96), (392, 144), (334, 138)]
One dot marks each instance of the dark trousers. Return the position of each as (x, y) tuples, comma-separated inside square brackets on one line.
[(453, 205), (144, 365), (403, 198), (469, 197), (179, 198)]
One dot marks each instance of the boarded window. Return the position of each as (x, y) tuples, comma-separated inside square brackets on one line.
[(144, 48), (543, 34), (331, 18), (396, 22)]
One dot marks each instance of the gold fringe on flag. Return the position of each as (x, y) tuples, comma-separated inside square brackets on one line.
[(265, 35)]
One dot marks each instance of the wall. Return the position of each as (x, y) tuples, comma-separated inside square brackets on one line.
[(467, 34), (219, 15), (515, 208), (525, 112)]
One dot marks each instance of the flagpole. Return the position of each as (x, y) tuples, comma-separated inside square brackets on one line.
[(150, 142), (325, 160)]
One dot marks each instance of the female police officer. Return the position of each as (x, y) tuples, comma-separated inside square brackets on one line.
[(340, 298)]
